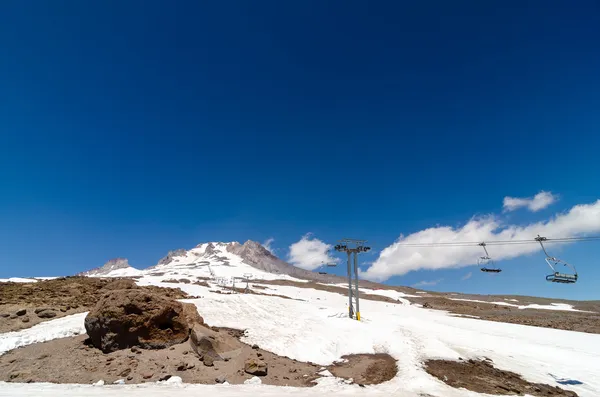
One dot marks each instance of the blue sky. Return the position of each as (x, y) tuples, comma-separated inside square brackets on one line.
[(132, 128)]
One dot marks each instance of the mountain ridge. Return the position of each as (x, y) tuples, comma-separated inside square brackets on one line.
[(251, 253)]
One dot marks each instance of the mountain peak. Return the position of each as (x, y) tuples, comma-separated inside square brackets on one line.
[(111, 265), (170, 255)]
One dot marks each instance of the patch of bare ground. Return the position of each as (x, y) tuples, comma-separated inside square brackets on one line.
[(483, 377), (23, 305), (566, 320), (365, 369), (74, 360)]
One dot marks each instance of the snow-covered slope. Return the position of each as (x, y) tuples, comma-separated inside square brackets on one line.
[(257, 256), (222, 260), (217, 261), (313, 326), (118, 267)]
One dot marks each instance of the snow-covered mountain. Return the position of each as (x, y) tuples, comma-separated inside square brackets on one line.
[(216, 260), (257, 256), (117, 267)]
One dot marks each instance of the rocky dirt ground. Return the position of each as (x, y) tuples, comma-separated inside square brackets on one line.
[(23, 305), (139, 334), (74, 360), (586, 321), (483, 377), (365, 369)]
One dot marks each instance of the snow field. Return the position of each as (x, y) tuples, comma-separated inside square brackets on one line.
[(18, 280), (60, 328), (196, 263), (318, 330), (314, 326), (184, 390)]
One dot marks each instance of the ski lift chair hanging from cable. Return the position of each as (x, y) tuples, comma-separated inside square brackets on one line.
[(485, 263), (553, 262)]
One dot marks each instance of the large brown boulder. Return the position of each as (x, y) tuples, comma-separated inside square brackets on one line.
[(133, 317), (211, 346)]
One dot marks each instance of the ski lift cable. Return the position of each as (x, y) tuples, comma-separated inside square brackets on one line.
[(498, 242)]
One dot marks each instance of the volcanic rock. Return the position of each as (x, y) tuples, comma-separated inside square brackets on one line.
[(207, 343), (47, 314), (256, 367), (132, 317)]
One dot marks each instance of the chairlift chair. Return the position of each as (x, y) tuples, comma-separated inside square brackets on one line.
[(553, 262), (485, 263)]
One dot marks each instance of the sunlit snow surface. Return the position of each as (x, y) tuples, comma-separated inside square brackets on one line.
[(203, 261), (60, 328), (185, 390), (313, 326), (24, 280), (18, 280)]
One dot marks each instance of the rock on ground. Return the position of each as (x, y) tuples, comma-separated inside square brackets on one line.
[(133, 317), (211, 346), (47, 313), (255, 366), (120, 284), (66, 296)]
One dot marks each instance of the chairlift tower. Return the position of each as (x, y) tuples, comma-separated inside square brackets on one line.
[(352, 246)]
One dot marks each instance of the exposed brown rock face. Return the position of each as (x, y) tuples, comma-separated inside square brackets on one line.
[(254, 366), (211, 346), (133, 317)]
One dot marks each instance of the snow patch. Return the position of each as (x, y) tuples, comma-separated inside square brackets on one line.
[(60, 328), (18, 280), (173, 380), (255, 380)]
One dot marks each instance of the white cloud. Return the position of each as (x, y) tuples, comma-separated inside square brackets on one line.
[(398, 259), (309, 253), (467, 276), (534, 204), (427, 283), (268, 245)]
